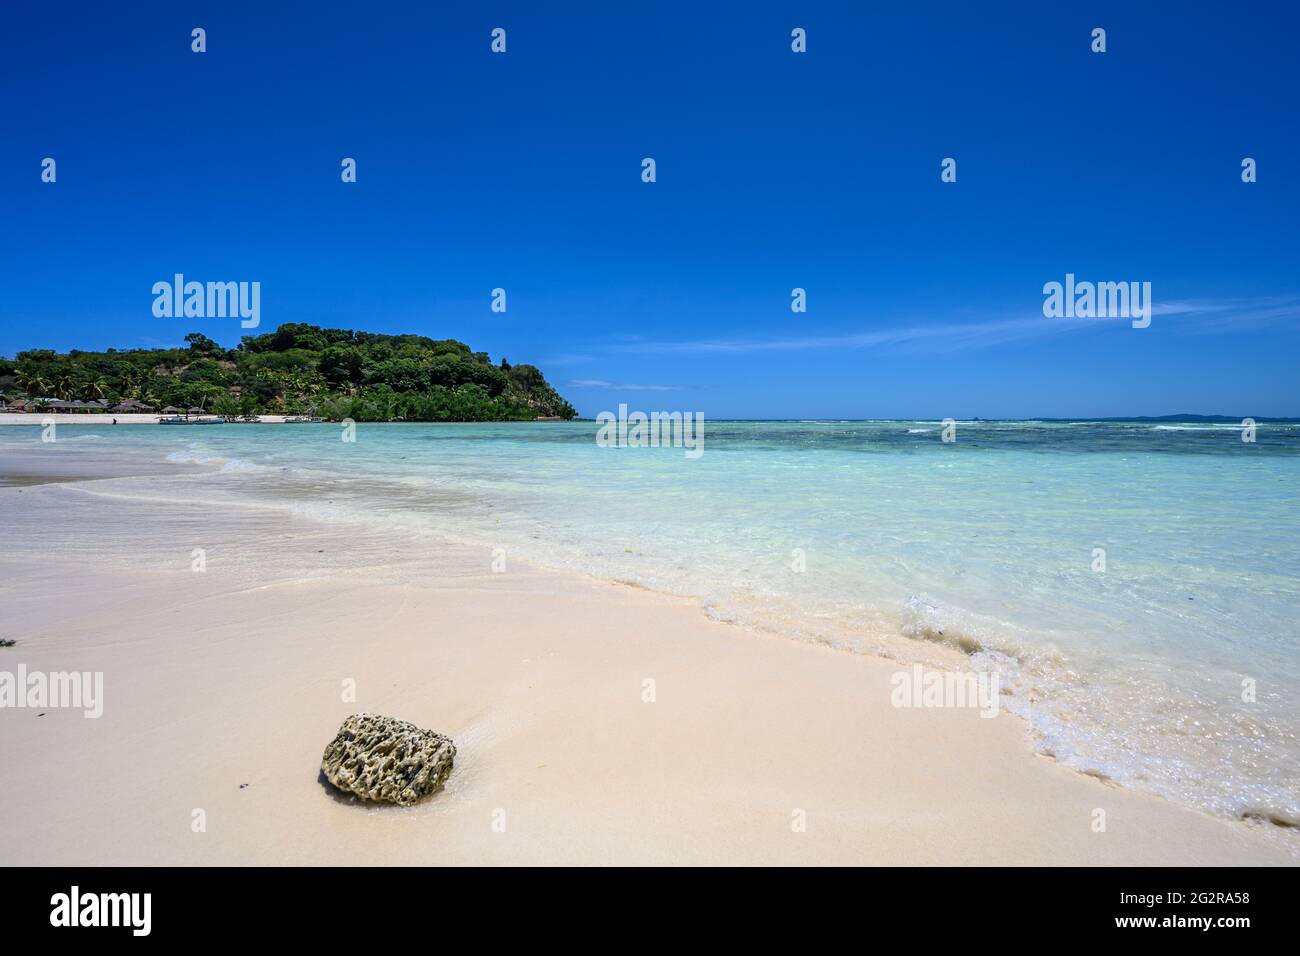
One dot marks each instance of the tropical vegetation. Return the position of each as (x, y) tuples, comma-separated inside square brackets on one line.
[(297, 369)]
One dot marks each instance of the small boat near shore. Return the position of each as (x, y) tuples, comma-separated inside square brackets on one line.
[(183, 420)]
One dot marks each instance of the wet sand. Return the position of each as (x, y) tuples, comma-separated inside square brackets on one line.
[(595, 723)]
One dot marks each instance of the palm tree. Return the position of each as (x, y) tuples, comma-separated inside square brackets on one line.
[(129, 382), (32, 383), (64, 386), (97, 388)]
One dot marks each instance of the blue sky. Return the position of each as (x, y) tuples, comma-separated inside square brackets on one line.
[(775, 170)]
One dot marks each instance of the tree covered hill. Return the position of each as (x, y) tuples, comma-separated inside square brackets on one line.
[(298, 369)]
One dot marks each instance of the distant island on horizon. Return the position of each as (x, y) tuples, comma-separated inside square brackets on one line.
[(1208, 419), (297, 369)]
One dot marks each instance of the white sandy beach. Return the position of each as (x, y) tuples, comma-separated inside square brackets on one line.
[(99, 418), (222, 688)]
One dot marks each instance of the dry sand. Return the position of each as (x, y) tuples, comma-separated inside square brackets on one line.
[(222, 688), (39, 419)]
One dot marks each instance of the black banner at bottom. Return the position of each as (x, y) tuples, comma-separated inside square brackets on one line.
[(316, 905)]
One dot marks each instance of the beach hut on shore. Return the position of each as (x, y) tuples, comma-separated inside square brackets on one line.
[(173, 410), (131, 407)]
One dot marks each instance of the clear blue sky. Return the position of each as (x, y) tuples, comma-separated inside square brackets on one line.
[(775, 170)]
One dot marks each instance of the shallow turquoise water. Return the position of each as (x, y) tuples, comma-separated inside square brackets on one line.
[(986, 544)]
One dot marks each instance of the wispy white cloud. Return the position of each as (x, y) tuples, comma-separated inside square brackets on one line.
[(621, 387), (1227, 315), (565, 358), (939, 337), (1191, 315)]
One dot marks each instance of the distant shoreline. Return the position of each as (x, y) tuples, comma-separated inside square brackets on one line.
[(97, 418), (107, 418), (36, 420)]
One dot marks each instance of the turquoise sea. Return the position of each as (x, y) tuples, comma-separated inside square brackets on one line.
[(1170, 663)]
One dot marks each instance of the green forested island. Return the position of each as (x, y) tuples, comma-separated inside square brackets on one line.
[(297, 369)]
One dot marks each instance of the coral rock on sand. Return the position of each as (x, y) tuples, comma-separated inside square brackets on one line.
[(382, 758)]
